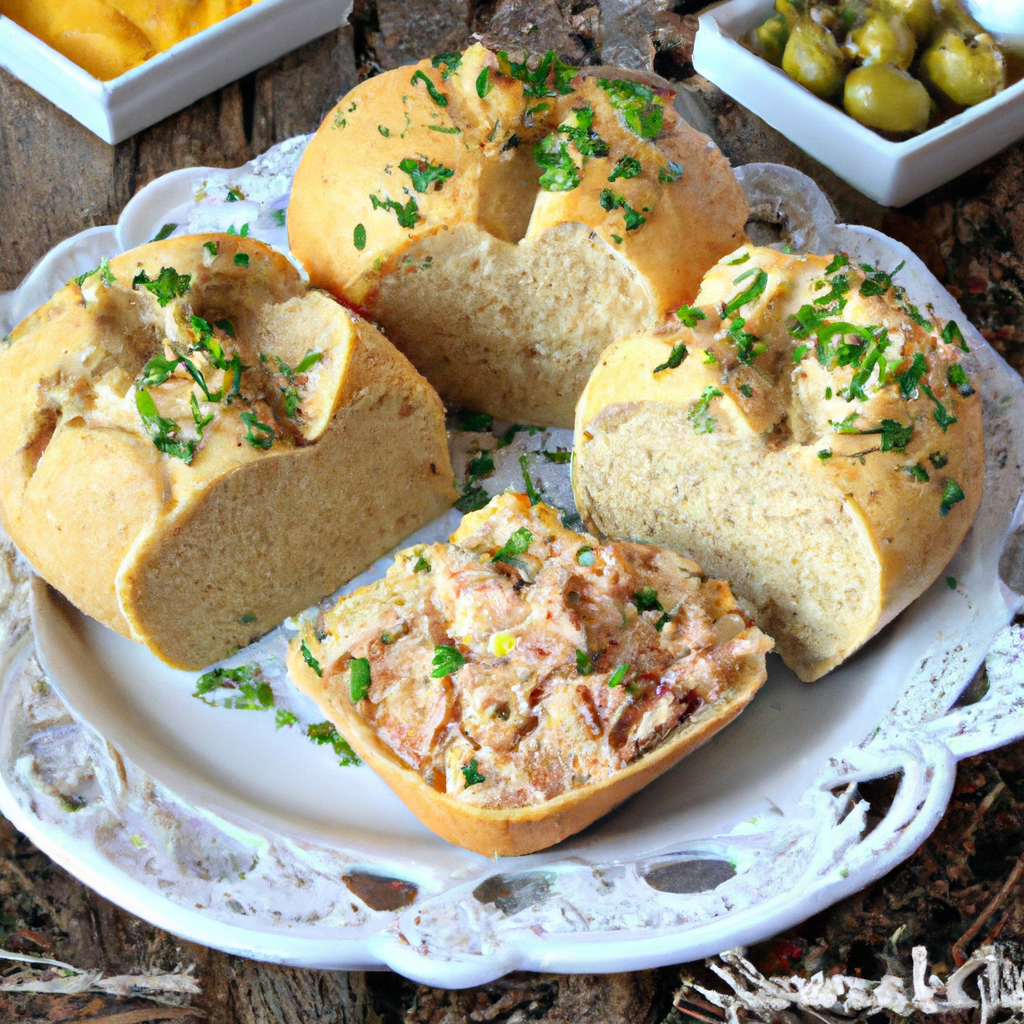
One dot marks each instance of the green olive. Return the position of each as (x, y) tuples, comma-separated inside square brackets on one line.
[(918, 14), (813, 58), (883, 40), (967, 72), (769, 40), (881, 96)]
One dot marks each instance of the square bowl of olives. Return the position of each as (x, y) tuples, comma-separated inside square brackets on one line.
[(897, 97)]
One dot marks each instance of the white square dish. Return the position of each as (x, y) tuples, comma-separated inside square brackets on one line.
[(171, 80), (891, 173)]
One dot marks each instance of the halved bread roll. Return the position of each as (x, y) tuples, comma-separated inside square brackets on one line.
[(195, 445), (806, 438), (504, 223), (514, 685)]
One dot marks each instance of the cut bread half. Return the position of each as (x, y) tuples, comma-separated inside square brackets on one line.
[(518, 683)]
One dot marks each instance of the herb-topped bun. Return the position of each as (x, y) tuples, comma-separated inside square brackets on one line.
[(805, 433), (195, 445), (517, 683), (504, 222)]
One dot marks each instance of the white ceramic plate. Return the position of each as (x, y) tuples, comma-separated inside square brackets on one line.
[(171, 80), (219, 827), (891, 173)]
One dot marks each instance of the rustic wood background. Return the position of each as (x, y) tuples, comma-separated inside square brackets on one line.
[(958, 891)]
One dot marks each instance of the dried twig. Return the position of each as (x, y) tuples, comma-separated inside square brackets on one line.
[(959, 957)]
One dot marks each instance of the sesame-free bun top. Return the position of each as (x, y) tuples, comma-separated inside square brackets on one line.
[(504, 222), (811, 437), (194, 444)]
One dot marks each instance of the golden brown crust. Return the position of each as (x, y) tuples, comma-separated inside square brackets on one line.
[(521, 744), (824, 534), (199, 548), (504, 293)]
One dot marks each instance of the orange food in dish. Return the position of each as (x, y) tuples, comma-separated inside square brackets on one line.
[(109, 37)]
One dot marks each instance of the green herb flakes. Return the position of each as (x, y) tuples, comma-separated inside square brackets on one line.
[(169, 284), (799, 352), (407, 215), (825, 454), (610, 201), (709, 357), (748, 346), (550, 78), (517, 544), (746, 391), (690, 315), (626, 167), (670, 173), (531, 492), (944, 418), (165, 232), (157, 370), (560, 172), (699, 415), (424, 173), (474, 422), (325, 733), (235, 195), (640, 108), (952, 335), (877, 282), (617, 239), (938, 459), (951, 582), (908, 380), (585, 556), (359, 679), (211, 248), (452, 130), (918, 472), (951, 494), (449, 62), (646, 600), (895, 436), (422, 565), (438, 97), (162, 430), (241, 259), (675, 359), (578, 126), (739, 259), (749, 295), (283, 718), (359, 237), (838, 261), (309, 659), (584, 666), (618, 675), (958, 379), (447, 661), (201, 421), (483, 83), (471, 773), (244, 688), (560, 458)]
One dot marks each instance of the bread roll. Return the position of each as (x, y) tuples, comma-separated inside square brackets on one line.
[(828, 472), (516, 684), (195, 445), (504, 225)]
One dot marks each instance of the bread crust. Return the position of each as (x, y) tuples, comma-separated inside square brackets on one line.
[(317, 665), (272, 510), (868, 516), (498, 312)]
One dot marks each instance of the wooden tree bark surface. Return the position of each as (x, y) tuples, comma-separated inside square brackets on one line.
[(56, 179)]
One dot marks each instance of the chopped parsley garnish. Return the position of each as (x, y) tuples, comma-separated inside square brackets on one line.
[(451, 63), (746, 391), (578, 127), (473, 497), (952, 335), (958, 379), (201, 421), (483, 83), (690, 315), (309, 659), (424, 174), (257, 433), (244, 233), (835, 299), (739, 259), (227, 327), (278, 217), (559, 458), (951, 582), (386, 132), (438, 97), (471, 773), (241, 259), (560, 171), (585, 556), (359, 237), (452, 130), (699, 415), (626, 167), (283, 718), (735, 304), (157, 370), (422, 565), (447, 661), (825, 454), (877, 282), (162, 430), (510, 435), (531, 492), (676, 357), (475, 422), (407, 215), (663, 621), (895, 436), (235, 195), (248, 691), (908, 380), (517, 544), (618, 675), (325, 733), (942, 417), (748, 346), (938, 460), (169, 284), (641, 109), (106, 274), (195, 373), (646, 600), (918, 472), (165, 232), (617, 239), (584, 666), (610, 201), (210, 247), (535, 82), (307, 362), (709, 357), (670, 173), (513, 141), (799, 352), (951, 494), (838, 261), (359, 679)]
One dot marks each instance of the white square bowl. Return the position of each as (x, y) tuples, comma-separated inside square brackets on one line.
[(890, 173), (171, 80)]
